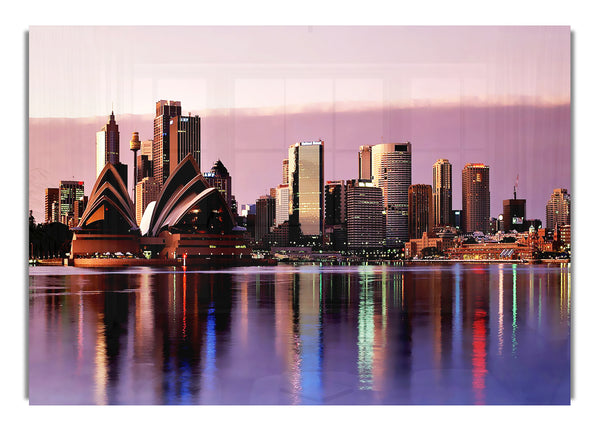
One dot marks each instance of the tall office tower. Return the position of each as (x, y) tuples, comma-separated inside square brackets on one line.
[(476, 197), (160, 146), (265, 216), (392, 171), (305, 181), (55, 212), (219, 178), (146, 148), (69, 193), (364, 163), (558, 209), (420, 206), (513, 215), (50, 197), (365, 221), (335, 214), (107, 144), (285, 170), (146, 191), (442, 193), (184, 139), (282, 204), (144, 161)]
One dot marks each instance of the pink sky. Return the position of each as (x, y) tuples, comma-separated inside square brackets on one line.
[(497, 95)]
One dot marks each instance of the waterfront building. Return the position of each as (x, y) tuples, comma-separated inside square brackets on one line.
[(107, 144), (265, 217), (165, 110), (51, 196), (513, 215), (442, 193), (184, 139), (146, 191), (278, 235), (558, 209), (493, 251), (476, 197), (69, 193), (415, 246), (282, 204), (305, 181), (391, 171), (420, 214), (365, 221), (78, 210), (219, 177), (364, 163), (457, 219)]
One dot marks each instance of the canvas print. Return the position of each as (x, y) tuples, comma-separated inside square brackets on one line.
[(293, 215)]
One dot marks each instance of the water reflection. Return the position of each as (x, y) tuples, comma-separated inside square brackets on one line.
[(301, 335)]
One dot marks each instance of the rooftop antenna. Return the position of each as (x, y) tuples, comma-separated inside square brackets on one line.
[(515, 187)]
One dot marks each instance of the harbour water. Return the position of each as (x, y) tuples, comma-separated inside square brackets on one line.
[(415, 334)]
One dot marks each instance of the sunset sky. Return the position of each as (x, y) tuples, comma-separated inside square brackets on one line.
[(496, 95)]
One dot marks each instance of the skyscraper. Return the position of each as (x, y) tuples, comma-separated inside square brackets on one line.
[(265, 216), (420, 214), (513, 215), (219, 178), (558, 209), (51, 196), (160, 146), (391, 170), (107, 144), (285, 170), (184, 139), (475, 197), (305, 182), (364, 215), (364, 163), (146, 191), (70, 192), (282, 204), (442, 193)]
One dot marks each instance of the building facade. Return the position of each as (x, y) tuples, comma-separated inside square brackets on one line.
[(147, 190), (514, 215), (184, 139), (476, 198), (305, 182), (107, 144), (51, 196), (364, 163), (282, 204), (391, 169), (442, 193), (165, 110), (70, 192), (558, 209), (365, 221), (265, 217), (420, 214), (219, 177)]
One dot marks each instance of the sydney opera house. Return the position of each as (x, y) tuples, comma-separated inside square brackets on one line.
[(189, 223)]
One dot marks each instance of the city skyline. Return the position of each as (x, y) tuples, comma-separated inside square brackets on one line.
[(475, 111)]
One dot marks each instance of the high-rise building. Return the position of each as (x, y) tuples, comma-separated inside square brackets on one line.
[(69, 193), (442, 193), (51, 196), (265, 216), (160, 146), (391, 169), (364, 163), (146, 148), (184, 139), (420, 214), (306, 192), (78, 209), (285, 170), (144, 167), (107, 144), (282, 204), (219, 178), (476, 197), (513, 215), (365, 220), (335, 203), (558, 209), (147, 190)]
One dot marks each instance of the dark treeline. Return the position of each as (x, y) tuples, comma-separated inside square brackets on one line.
[(48, 240)]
